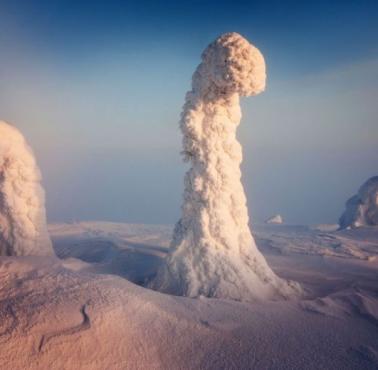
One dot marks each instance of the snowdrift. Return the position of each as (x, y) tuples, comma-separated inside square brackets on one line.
[(53, 317)]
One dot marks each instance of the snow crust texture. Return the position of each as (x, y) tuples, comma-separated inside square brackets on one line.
[(214, 253), (23, 229), (55, 317), (362, 208)]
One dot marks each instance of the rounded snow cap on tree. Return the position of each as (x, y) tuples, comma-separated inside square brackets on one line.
[(11, 132), (232, 65)]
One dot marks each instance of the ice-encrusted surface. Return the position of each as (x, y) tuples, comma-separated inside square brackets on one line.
[(23, 229), (213, 251), (362, 208)]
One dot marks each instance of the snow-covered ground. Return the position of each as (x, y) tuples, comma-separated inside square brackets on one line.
[(76, 313)]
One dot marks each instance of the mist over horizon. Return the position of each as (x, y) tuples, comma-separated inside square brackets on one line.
[(98, 93)]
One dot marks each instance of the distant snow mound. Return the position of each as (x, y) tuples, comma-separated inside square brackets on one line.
[(362, 208), (23, 228), (213, 251), (276, 219)]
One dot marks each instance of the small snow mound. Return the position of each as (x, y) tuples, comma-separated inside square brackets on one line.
[(362, 208), (276, 219), (23, 229)]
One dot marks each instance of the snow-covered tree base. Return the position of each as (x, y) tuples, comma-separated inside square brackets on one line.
[(222, 273), (23, 229), (213, 251)]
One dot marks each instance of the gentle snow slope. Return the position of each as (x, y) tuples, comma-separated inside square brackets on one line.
[(57, 315), (54, 318)]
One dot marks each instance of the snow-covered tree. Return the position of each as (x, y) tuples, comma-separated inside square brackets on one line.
[(213, 251), (362, 208), (23, 228)]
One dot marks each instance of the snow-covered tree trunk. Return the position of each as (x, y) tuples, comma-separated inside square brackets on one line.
[(213, 251), (23, 229)]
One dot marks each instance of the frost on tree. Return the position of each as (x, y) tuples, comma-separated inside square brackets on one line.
[(362, 208), (23, 228), (213, 251)]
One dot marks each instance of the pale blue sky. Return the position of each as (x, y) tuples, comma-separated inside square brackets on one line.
[(98, 93)]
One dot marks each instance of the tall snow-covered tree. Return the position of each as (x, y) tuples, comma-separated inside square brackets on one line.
[(23, 229), (213, 251)]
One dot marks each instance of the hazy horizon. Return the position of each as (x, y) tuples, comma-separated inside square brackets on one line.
[(98, 92)]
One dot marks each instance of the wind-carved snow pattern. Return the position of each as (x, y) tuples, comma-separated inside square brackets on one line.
[(213, 251), (362, 208), (23, 229)]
